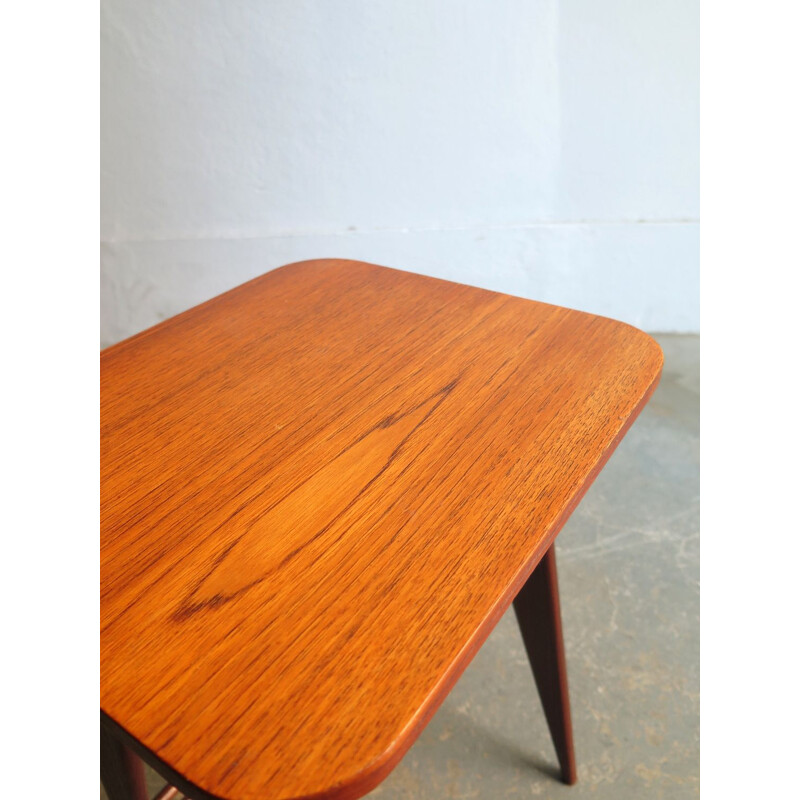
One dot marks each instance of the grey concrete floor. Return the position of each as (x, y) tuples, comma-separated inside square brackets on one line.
[(628, 563)]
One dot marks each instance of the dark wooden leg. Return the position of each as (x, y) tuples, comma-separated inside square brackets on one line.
[(121, 771), (539, 616)]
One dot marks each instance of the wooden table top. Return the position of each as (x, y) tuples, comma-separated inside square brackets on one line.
[(320, 491)]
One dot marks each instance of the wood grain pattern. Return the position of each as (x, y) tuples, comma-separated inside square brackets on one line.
[(320, 491)]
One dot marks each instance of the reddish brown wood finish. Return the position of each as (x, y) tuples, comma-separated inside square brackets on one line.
[(121, 771), (167, 793), (320, 491), (538, 612)]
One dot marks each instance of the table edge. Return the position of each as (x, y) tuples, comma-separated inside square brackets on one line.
[(371, 775)]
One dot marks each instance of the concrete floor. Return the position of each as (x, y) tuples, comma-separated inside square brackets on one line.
[(629, 574)]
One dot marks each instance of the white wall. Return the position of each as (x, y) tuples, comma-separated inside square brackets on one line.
[(544, 148)]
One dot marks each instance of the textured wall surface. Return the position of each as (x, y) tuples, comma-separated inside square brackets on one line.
[(544, 149)]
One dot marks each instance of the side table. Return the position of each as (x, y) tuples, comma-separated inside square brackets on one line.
[(319, 493)]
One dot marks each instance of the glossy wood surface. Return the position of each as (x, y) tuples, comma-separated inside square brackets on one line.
[(320, 491)]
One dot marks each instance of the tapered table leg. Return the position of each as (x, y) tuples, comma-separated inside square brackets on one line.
[(121, 770), (539, 615)]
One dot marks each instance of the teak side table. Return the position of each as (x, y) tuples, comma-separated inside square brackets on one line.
[(320, 492)]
